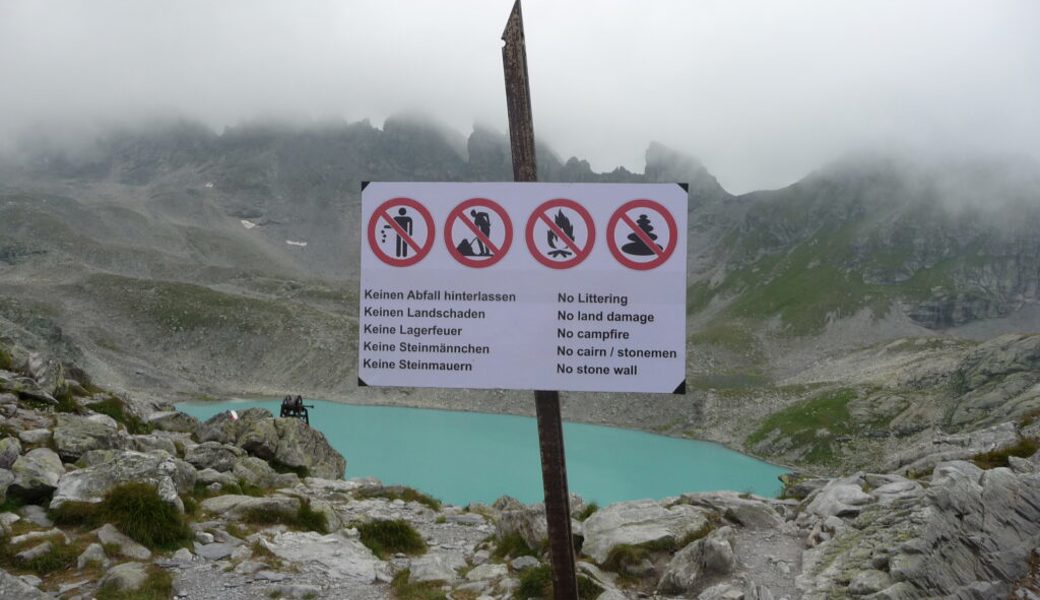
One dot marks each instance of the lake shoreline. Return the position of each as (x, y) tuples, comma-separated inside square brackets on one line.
[(428, 405)]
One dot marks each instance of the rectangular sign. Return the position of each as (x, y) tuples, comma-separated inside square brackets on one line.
[(552, 286)]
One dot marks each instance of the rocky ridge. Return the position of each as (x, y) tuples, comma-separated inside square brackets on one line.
[(956, 518)]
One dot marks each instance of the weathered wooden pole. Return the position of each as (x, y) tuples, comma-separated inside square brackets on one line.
[(547, 403)]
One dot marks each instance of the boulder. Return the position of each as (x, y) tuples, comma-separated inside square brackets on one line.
[(36, 473), (126, 577), (208, 476), (35, 437), (337, 557), (93, 553), (487, 571), (526, 521), (75, 435), (235, 506), (214, 455), (170, 476), (637, 523), (174, 420), (14, 588), (749, 513), (255, 472), (435, 567), (702, 561), (838, 498), (290, 442), (10, 450), (151, 441), (109, 535), (6, 479)]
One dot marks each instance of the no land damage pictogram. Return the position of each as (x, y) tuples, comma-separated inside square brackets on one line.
[(478, 233), (642, 234), (400, 232), (560, 233)]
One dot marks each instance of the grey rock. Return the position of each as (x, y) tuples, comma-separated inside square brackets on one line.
[(338, 556), (523, 563), (183, 555), (235, 506), (36, 515), (487, 571), (869, 582), (638, 523), (699, 563), (149, 442), (216, 551), (33, 536), (722, 591), (6, 479), (526, 521), (254, 471), (14, 588), (127, 577), (35, 437), (34, 552), (288, 441), (10, 450), (435, 567), (174, 421), (750, 513), (208, 476), (838, 499), (107, 534), (214, 455), (272, 576), (36, 473), (170, 476), (93, 553), (75, 435), (299, 591)]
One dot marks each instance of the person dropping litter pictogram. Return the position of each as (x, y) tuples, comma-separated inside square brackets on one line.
[(636, 246), (405, 222)]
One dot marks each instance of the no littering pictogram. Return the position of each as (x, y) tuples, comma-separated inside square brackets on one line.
[(478, 233), (396, 237), (560, 239), (641, 246)]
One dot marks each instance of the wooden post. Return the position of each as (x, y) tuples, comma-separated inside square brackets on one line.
[(547, 403)]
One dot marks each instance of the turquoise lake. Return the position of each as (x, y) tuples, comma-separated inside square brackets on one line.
[(463, 457)]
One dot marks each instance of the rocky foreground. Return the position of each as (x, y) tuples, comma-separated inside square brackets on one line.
[(257, 507)]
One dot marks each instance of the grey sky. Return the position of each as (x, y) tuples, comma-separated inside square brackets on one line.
[(762, 92)]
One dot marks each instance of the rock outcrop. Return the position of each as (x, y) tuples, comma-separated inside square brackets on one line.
[(287, 442)]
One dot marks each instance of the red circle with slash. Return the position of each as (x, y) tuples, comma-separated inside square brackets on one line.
[(660, 254), (541, 214), (381, 213), (459, 213)]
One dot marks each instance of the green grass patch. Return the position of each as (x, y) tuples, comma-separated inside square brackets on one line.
[(588, 511), (386, 538), (512, 546), (803, 422), (1024, 448), (304, 519), (728, 335), (399, 492), (537, 583), (135, 509), (158, 586), (59, 557)]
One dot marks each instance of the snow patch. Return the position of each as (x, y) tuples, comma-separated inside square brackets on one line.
[(295, 243), (248, 224), (209, 184)]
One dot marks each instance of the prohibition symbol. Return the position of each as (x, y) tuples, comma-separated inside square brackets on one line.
[(476, 236), (639, 234), (394, 235), (567, 240)]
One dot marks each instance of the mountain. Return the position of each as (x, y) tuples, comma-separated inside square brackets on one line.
[(173, 260)]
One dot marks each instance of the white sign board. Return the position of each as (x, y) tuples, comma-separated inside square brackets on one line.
[(551, 286)]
